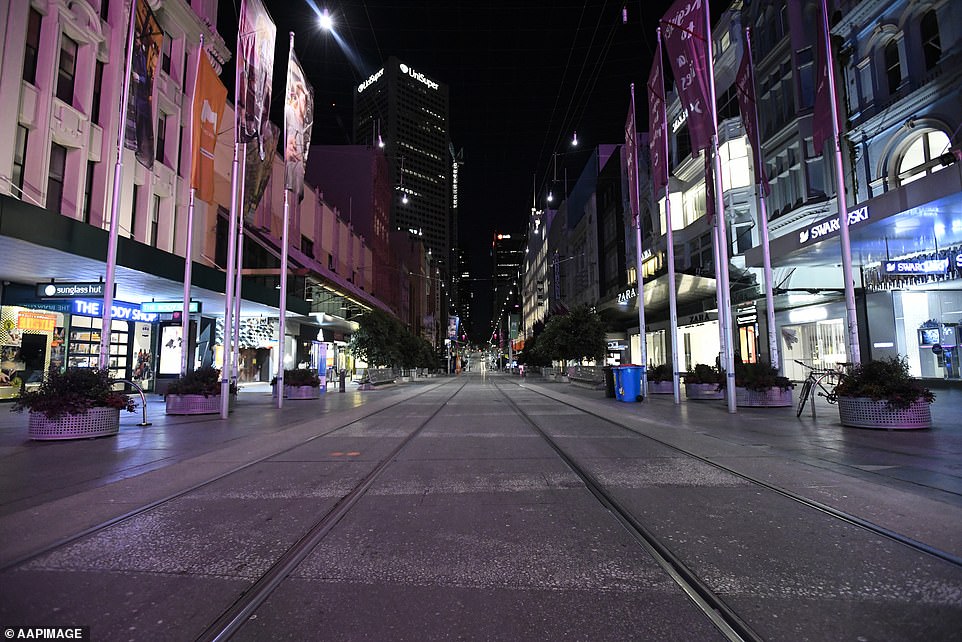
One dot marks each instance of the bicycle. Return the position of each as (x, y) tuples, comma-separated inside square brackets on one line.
[(820, 382)]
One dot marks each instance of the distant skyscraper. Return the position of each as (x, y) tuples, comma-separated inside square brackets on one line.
[(407, 111)]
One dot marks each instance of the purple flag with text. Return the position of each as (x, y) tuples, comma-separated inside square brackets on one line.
[(657, 136), (685, 36), (822, 126), (631, 151), (745, 84), (298, 122), (255, 44)]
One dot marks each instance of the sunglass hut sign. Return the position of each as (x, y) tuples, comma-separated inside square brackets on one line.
[(830, 226)]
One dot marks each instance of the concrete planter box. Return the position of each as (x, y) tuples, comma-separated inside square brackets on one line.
[(302, 392), (661, 388), (863, 412), (770, 398), (196, 404), (702, 391), (96, 422)]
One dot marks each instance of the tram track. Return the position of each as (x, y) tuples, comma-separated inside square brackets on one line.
[(193, 488), (840, 515), (707, 601)]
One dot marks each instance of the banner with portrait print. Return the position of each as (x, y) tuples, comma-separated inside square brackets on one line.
[(258, 172), (298, 122), (255, 43), (139, 126)]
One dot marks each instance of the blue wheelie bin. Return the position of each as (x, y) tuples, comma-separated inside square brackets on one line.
[(630, 387), (616, 371)]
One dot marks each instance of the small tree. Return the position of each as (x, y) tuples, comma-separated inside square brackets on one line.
[(378, 339), (580, 334)]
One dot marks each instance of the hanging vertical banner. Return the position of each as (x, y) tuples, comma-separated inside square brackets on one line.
[(631, 152), (139, 130), (745, 87), (258, 170), (685, 37), (822, 112), (256, 33), (210, 96), (657, 133), (298, 122)]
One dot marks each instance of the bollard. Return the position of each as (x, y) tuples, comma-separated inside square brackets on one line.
[(341, 380)]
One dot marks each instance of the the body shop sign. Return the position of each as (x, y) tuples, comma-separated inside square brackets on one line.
[(829, 226), (119, 311)]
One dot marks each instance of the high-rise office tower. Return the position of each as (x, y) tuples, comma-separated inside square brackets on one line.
[(406, 111)]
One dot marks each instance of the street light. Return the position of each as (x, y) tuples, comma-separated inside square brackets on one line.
[(326, 22)]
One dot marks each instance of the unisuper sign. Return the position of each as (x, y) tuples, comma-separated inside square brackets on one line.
[(830, 226), (373, 78)]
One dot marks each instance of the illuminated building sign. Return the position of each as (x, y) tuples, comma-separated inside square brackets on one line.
[(680, 120), (417, 75), (71, 290), (627, 295), (454, 184), (36, 321), (373, 78), (927, 266), (829, 226), (169, 306), (120, 311)]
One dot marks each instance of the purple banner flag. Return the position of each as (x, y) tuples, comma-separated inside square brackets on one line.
[(657, 134), (685, 28), (631, 151), (256, 35), (745, 84), (822, 114), (298, 122)]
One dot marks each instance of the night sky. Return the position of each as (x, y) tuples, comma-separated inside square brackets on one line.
[(523, 77)]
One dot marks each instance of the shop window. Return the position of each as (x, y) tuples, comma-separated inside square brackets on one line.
[(66, 70), (922, 156), (893, 68), (58, 166), (161, 151), (32, 47), (19, 158), (931, 41)]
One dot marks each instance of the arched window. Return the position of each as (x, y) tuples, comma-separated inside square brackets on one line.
[(931, 41), (893, 69), (922, 156)]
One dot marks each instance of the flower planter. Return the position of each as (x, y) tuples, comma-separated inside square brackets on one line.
[(196, 404), (768, 398), (95, 422), (701, 391), (302, 392), (863, 412), (661, 388)]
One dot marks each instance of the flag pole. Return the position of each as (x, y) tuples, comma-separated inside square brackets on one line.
[(670, 258), (240, 269), (282, 304), (721, 232), (636, 214), (189, 252), (231, 245), (107, 309), (763, 220), (844, 236)]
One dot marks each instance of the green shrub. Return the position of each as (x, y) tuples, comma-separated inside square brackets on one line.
[(202, 381), (661, 372), (703, 373), (760, 376), (884, 380), (301, 377), (71, 392)]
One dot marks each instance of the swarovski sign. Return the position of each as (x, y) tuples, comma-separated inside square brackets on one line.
[(927, 266), (417, 75), (829, 226), (373, 78)]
